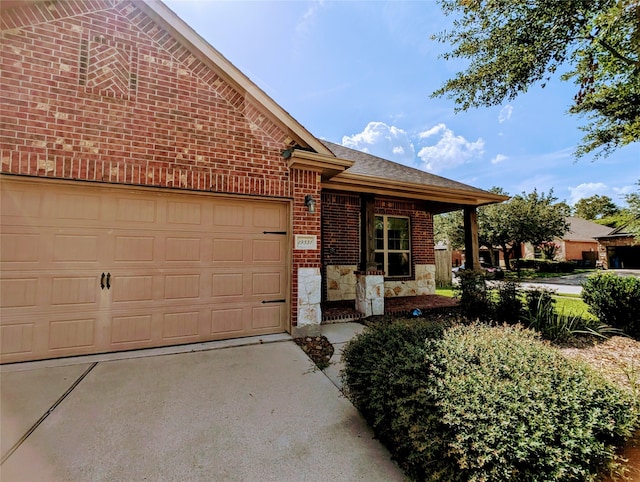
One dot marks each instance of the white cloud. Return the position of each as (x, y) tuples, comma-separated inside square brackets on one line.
[(505, 113), (308, 17), (587, 189), (388, 142), (450, 151), (498, 159)]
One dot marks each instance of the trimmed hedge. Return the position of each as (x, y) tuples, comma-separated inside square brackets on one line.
[(614, 300), (547, 266), (478, 403)]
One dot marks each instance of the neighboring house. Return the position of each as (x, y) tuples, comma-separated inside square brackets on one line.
[(153, 195), (579, 243), (620, 249)]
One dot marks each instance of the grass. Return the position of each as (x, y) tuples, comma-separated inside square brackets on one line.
[(569, 304), (527, 274)]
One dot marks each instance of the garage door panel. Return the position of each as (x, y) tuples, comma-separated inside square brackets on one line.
[(72, 334), (184, 213), (225, 285), (183, 249), (136, 210), (19, 248), (181, 286), (75, 248), (131, 329), (134, 248), (227, 320), (20, 203), (18, 292), (73, 290), (230, 216), (266, 317), (131, 288), (268, 218), (268, 251), (73, 206), (228, 251), (181, 268), (181, 325), (17, 339), (268, 284)]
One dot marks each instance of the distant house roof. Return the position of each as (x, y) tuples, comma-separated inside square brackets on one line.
[(376, 174), (583, 230), (621, 232)]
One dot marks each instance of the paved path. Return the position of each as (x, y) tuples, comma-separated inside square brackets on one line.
[(250, 413)]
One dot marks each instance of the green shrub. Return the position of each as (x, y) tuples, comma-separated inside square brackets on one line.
[(485, 404), (547, 266), (614, 300), (508, 305), (472, 292), (384, 366)]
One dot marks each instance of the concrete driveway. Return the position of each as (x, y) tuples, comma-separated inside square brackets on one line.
[(246, 413)]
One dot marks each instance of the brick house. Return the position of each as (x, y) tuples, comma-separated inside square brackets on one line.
[(620, 249), (580, 243), (153, 195)]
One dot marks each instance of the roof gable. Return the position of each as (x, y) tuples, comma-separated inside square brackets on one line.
[(584, 230), (188, 49)]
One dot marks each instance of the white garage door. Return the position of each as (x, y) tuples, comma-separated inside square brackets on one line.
[(95, 268)]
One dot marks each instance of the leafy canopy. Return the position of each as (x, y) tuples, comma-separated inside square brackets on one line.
[(595, 207), (514, 44), (533, 218)]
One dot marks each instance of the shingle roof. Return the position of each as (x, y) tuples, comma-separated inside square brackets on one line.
[(583, 230), (370, 165)]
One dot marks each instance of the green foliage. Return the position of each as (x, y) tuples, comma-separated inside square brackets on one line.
[(508, 306), (471, 290), (547, 265), (485, 404), (614, 300), (595, 207), (384, 366), (512, 45)]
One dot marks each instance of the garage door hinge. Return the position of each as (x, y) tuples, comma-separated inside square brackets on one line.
[(274, 232), (274, 301)]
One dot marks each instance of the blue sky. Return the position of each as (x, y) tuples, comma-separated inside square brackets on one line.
[(361, 74)]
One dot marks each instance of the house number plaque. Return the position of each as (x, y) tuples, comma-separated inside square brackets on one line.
[(306, 241)]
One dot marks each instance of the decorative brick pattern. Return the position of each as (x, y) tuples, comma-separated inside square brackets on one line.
[(96, 90)]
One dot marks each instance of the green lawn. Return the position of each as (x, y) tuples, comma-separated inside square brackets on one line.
[(567, 304), (530, 274)]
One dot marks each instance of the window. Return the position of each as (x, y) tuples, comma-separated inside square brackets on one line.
[(393, 247)]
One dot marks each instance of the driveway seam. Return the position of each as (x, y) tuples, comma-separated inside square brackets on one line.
[(46, 414)]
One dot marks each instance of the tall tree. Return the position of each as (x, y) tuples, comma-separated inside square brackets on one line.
[(514, 44), (595, 207), (526, 218)]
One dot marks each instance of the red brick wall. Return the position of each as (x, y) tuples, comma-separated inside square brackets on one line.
[(304, 222), (95, 90), (341, 227), (100, 92), (573, 249)]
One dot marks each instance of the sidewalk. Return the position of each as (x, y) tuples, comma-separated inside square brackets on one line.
[(338, 335)]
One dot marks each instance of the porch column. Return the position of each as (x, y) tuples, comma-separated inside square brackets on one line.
[(368, 233), (471, 246), (370, 292)]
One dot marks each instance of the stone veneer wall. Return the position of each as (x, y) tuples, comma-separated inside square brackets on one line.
[(341, 282), (424, 283)]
